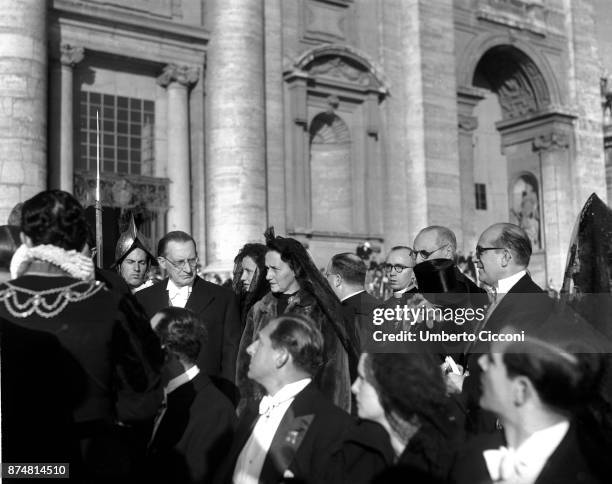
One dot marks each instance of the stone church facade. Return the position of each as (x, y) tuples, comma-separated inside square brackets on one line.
[(336, 121)]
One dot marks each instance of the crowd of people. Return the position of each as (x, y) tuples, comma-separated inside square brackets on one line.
[(278, 378)]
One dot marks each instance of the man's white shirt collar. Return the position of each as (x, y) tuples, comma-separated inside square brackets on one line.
[(524, 464), (178, 295), (351, 295), (288, 392), (183, 378), (399, 293), (504, 285), (170, 387)]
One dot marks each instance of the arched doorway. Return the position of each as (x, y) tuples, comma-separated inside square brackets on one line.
[(517, 149)]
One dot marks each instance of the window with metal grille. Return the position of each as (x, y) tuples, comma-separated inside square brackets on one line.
[(126, 133), (481, 196)]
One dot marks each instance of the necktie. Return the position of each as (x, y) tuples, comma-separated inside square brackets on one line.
[(158, 418)]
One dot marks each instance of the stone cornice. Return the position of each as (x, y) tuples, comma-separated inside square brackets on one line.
[(184, 75), (124, 18)]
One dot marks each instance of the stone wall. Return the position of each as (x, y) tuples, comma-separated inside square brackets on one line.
[(23, 101)]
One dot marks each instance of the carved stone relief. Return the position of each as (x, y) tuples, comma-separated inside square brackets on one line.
[(116, 191), (529, 15), (516, 99), (339, 68)]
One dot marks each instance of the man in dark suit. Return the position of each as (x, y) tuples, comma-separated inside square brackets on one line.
[(346, 274), (534, 387), (290, 433), (215, 306), (503, 254), (194, 428)]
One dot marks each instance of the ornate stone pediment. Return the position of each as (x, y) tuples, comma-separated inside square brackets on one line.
[(340, 64), (340, 69)]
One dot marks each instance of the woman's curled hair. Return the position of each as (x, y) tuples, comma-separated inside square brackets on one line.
[(55, 217)]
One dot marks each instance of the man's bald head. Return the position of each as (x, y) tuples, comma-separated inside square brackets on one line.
[(509, 236), (435, 242), (503, 250)]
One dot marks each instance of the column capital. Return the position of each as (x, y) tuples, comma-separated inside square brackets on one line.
[(71, 55), (467, 123), (184, 75), (551, 141)]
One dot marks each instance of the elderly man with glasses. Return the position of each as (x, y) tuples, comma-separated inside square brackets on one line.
[(215, 306)]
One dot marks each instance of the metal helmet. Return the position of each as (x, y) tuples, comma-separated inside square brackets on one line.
[(130, 240)]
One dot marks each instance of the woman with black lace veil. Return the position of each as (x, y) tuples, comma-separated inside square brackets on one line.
[(297, 286), (107, 373)]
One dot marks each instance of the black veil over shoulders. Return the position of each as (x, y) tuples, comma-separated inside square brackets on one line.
[(587, 289)]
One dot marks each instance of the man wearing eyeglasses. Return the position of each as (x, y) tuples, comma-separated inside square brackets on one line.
[(215, 306), (502, 257), (398, 269), (437, 242)]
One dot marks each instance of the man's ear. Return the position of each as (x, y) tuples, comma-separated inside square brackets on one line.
[(337, 280), (506, 258), (522, 391), (282, 357), (25, 239)]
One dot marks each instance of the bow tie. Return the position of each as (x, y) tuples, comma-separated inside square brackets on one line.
[(174, 291), (505, 464), (267, 404)]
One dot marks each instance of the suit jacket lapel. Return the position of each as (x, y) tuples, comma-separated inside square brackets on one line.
[(288, 438), (199, 297)]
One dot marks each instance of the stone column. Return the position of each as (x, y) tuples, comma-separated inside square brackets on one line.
[(177, 80), (275, 121), (558, 216), (61, 134), (467, 99), (429, 84), (236, 141), (23, 101)]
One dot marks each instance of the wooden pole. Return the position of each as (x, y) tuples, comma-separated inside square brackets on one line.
[(98, 205)]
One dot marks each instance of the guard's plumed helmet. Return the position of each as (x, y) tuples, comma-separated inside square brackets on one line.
[(130, 240)]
